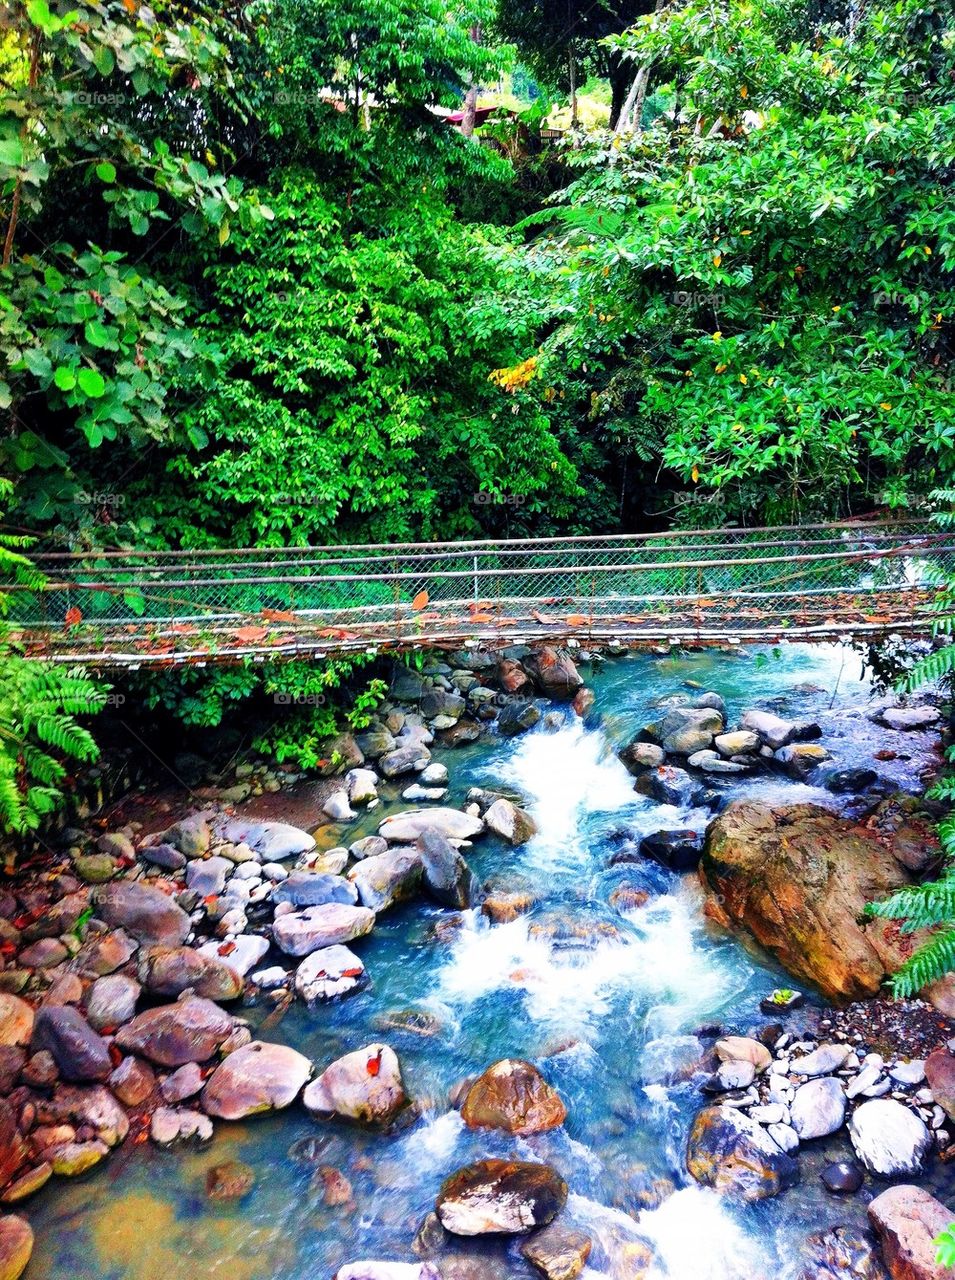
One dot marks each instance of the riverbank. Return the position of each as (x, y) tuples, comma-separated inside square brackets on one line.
[(198, 907)]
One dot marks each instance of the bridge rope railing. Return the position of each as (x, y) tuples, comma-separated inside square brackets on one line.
[(127, 607)]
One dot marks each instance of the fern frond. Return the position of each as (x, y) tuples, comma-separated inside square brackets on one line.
[(931, 669), (925, 966), (921, 906)]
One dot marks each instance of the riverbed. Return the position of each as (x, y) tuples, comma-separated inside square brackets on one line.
[(608, 1003)]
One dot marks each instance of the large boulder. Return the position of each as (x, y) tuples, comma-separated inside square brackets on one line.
[(685, 730), (735, 1155), (889, 1138), (255, 1078), (514, 1096), (797, 878), (500, 1197), (365, 1086), (272, 841), (511, 823), (300, 932), (554, 673), (16, 1246), (678, 850), (314, 889), (445, 876), (907, 1220), (558, 1252), (453, 824), (174, 1034), (386, 879), (80, 1053), (669, 785), (819, 1108), (772, 731), (169, 971), (517, 716), (146, 914)]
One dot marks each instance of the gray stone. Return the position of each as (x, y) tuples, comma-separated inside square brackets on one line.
[(819, 1108), (256, 1078), (367, 847), (446, 877), (147, 914), (272, 841), (387, 878), (406, 759), (79, 1052), (888, 1138), (300, 932), (207, 876), (314, 889), (112, 1001), (907, 718), (822, 1061), (405, 828), (329, 973), (770, 729)]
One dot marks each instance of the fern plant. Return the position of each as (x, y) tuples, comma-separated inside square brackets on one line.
[(931, 905), (39, 706)]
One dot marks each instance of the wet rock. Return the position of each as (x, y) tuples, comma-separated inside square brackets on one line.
[(94, 868), (112, 1001), (841, 1253), (145, 913), (14, 1152), (13, 1059), (583, 702), (258, 1077), (315, 889), (713, 762), (172, 1124), (406, 828), (513, 1095), (908, 718), (743, 1049), (367, 847), (272, 841), (739, 742), (819, 1108), (388, 1271), (639, 755), (771, 730), (460, 734), (554, 673), (206, 877), (821, 1061), (907, 1220), (501, 906), (558, 1252), (89, 1106), (185, 1082), (406, 759), (629, 897), (328, 974), (365, 1086), (508, 1197), (16, 1020), (685, 730), (388, 878), (188, 1031), (445, 876), (362, 785), (21, 1188), (107, 953), (679, 850), (736, 1156), (797, 878), (169, 971), (238, 953), (192, 836), (79, 1052), (849, 781), (133, 1081), (940, 1076), (300, 932), (509, 822), (337, 806), (801, 758), (43, 954), (375, 743), (16, 1246), (230, 1180), (844, 1177), (888, 1138), (782, 1000), (669, 785), (517, 717), (163, 856)]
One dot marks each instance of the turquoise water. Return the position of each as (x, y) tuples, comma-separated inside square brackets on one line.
[(606, 1004)]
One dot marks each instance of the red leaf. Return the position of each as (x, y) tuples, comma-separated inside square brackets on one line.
[(249, 634), (374, 1064), (73, 616), (278, 615), (351, 973)]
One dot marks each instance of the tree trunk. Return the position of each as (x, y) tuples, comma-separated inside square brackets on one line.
[(620, 81), (471, 97)]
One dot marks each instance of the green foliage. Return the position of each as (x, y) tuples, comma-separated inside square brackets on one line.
[(945, 1243), (311, 717)]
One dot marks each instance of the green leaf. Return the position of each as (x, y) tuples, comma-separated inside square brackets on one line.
[(11, 152), (91, 383), (105, 171), (104, 61), (65, 378), (97, 335)]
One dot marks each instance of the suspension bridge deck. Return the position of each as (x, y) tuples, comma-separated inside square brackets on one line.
[(112, 609)]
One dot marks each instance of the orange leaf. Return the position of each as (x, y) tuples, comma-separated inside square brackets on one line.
[(420, 600), (577, 619), (73, 616), (249, 634), (278, 615), (374, 1064)]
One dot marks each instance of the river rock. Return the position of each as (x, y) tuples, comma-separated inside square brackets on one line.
[(771, 730), (739, 742), (500, 1197), (86, 1106), (736, 1156), (819, 1108), (272, 841), (300, 932), (367, 847), (639, 755), (16, 1020), (239, 953), (112, 1001), (206, 877), (743, 1049), (174, 1034), (669, 785), (169, 971), (404, 759), (841, 1253), (258, 1077), (388, 878), (888, 1138), (517, 716), (797, 878), (387, 1271), (365, 1086), (362, 785), (445, 877), (940, 1077), (844, 1177), (329, 973), (133, 1081), (315, 889), (406, 828), (230, 1180), (79, 1052), (907, 718), (554, 673), (509, 822), (907, 1220), (848, 781), (14, 1152), (513, 1095), (558, 1252), (800, 758), (375, 742), (16, 1246), (185, 1082), (679, 850), (337, 807), (821, 1061), (146, 914), (685, 730), (164, 856)]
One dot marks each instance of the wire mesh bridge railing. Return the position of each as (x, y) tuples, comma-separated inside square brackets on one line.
[(822, 581)]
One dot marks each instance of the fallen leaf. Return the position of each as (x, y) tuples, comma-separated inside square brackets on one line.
[(248, 635), (73, 616), (420, 600)]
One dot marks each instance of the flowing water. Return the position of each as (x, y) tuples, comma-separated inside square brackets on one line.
[(607, 1004)]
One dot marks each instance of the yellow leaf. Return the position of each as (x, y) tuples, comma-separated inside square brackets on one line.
[(224, 231), (718, 336), (721, 368), (743, 379), (746, 233), (695, 474), (928, 250), (717, 259), (744, 92), (885, 405), (837, 308)]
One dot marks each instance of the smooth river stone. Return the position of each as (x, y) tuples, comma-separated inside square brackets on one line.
[(272, 841), (514, 1096), (500, 1197), (406, 828), (365, 1085), (315, 889), (189, 1031), (146, 914), (329, 973), (300, 932), (258, 1077)]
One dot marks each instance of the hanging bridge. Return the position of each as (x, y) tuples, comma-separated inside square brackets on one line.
[(125, 608)]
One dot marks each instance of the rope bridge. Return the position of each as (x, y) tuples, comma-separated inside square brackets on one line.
[(155, 608)]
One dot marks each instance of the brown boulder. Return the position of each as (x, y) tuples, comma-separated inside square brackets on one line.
[(554, 673), (365, 1086), (147, 914), (500, 1197), (940, 1078), (16, 1246), (558, 1252), (16, 1020), (514, 1096), (190, 1031), (258, 1077), (736, 1156), (797, 878), (169, 971), (907, 1220)]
